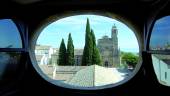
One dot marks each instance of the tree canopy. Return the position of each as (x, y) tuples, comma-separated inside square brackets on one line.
[(70, 51), (62, 54), (91, 54), (96, 58), (129, 58), (87, 52)]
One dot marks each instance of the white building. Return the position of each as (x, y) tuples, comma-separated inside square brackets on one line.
[(161, 64), (43, 53)]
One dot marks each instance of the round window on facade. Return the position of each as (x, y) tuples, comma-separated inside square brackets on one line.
[(87, 51)]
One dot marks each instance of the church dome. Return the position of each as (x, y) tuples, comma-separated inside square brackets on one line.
[(105, 37)]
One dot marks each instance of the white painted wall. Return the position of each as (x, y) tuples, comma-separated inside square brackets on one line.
[(161, 68)]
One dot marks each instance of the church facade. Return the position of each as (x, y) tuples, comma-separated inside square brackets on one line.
[(109, 50)]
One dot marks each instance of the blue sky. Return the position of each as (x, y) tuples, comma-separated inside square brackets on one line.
[(53, 33), (161, 32), (9, 34)]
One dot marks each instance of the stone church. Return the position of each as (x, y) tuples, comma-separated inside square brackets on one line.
[(109, 50)]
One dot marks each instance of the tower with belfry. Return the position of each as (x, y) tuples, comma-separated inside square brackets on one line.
[(109, 50)]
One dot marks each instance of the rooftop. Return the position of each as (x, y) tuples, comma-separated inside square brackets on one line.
[(105, 37), (165, 58), (95, 75), (42, 47)]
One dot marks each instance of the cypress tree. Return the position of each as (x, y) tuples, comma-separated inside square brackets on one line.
[(88, 48), (70, 51), (96, 58), (62, 54)]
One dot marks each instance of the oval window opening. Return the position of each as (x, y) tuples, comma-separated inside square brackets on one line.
[(10, 57), (87, 51), (160, 45)]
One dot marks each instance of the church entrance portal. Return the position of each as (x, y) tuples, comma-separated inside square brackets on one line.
[(106, 63)]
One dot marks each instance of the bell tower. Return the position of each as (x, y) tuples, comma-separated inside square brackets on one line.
[(114, 35), (115, 50)]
